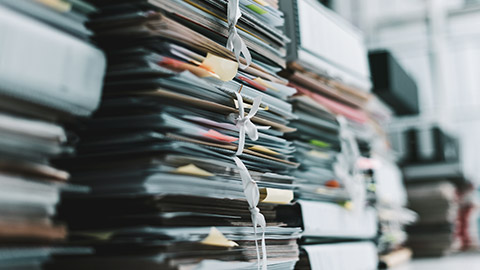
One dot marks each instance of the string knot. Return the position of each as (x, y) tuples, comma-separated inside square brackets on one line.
[(234, 42), (244, 124)]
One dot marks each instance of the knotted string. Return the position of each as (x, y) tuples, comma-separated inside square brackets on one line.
[(346, 166), (250, 187), (234, 42), (252, 194), (244, 124), (349, 145)]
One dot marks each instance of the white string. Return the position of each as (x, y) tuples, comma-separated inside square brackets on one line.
[(346, 165), (234, 42), (250, 187), (244, 124)]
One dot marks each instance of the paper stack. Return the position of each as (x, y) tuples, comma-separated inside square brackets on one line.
[(45, 80), (162, 156), (332, 203), (30, 190), (438, 190), (392, 212), (340, 140), (437, 204)]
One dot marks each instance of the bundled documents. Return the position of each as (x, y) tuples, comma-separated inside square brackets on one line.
[(49, 74), (341, 143), (185, 159)]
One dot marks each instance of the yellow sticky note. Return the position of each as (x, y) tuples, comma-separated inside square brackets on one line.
[(319, 154), (261, 2), (58, 5), (191, 169), (263, 149), (216, 238), (275, 195), (224, 68), (348, 205)]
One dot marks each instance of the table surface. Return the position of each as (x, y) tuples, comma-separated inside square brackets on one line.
[(464, 261)]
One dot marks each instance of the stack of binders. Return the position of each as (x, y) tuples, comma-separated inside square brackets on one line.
[(49, 74), (159, 154)]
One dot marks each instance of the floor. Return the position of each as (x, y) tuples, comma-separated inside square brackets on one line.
[(469, 261)]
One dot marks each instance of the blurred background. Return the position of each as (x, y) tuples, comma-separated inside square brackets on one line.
[(437, 43)]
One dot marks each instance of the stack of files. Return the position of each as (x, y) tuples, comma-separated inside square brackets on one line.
[(317, 145), (339, 125), (202, 25), (30, 190), (331, 207), (173, 232), (141, 146), (336, 126), (158, 154), (393, 235), (260, 25), (319, 104), (393, 216), (49, 73), (435, 233)]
